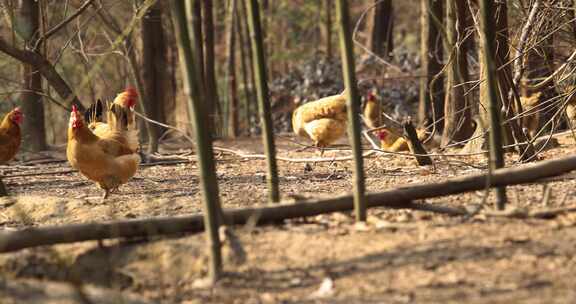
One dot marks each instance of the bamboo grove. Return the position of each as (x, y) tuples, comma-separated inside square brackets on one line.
[(240, 96)]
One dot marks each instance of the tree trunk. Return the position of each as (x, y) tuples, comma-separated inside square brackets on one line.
[(504, 80), (270, 42), (488, 54), (380, 37), (231, 72), (431, 102), (265, 16), (209, 65), (244, 70), (327, 28), (253, 102), (457, 112), (33, 129), (154, 72), (502, 52), (195, 16), (501, 56), (540, 60)]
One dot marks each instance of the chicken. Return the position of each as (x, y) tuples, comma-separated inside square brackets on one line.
[(571, 109), (105, 153), (323, 121), (120, 119), (10, 136), (529, 99), (372, 111), (531, 118), (392, 142)]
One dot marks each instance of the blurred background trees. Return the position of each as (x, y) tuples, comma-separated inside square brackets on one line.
[(55, 53)]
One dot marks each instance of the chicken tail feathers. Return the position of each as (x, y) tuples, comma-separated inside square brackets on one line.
[(122, 119), (94, 112), (120, 116)]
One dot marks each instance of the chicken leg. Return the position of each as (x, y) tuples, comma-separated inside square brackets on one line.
[(105, 195)]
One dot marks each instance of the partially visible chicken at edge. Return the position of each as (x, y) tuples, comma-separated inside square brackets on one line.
[(531, 118), (571, 109), (10, 135)]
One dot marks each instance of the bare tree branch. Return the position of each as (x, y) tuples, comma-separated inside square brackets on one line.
[(519, 63), (45, 68), (62, 24)]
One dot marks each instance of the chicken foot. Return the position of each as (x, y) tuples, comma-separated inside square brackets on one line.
[(105, 195), (109, 191)]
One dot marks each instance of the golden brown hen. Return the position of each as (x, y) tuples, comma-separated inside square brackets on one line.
[(391, 141), (531, 118), (10, 135), (571, 108), (372, 111), (323, 121), (106, 153)]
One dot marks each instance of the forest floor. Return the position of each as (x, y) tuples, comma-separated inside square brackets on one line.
[(400, 256)]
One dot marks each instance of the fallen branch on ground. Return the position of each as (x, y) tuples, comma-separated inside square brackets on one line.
[(62, 172), (293, 160), (40, 173), (399, 198), (33, 237), (254, 156), (167, 162), (523, 213)]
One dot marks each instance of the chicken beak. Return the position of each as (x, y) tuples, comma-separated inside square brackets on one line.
[(75, 120)]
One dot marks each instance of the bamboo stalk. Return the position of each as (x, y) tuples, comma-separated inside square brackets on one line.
[(250, 64), (231, 71), (400, 198), (209, 65), (328, 27), (243, 69), (3, 189), (196, 108), (496, 152), (262, 94), (353, 102), (194, 15)]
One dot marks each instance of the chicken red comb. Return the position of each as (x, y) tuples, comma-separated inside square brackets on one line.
[(74, 108), (131, 91), (382, 134), (17, 109)]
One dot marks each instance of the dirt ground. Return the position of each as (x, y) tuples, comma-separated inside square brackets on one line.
[(400, 256)]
